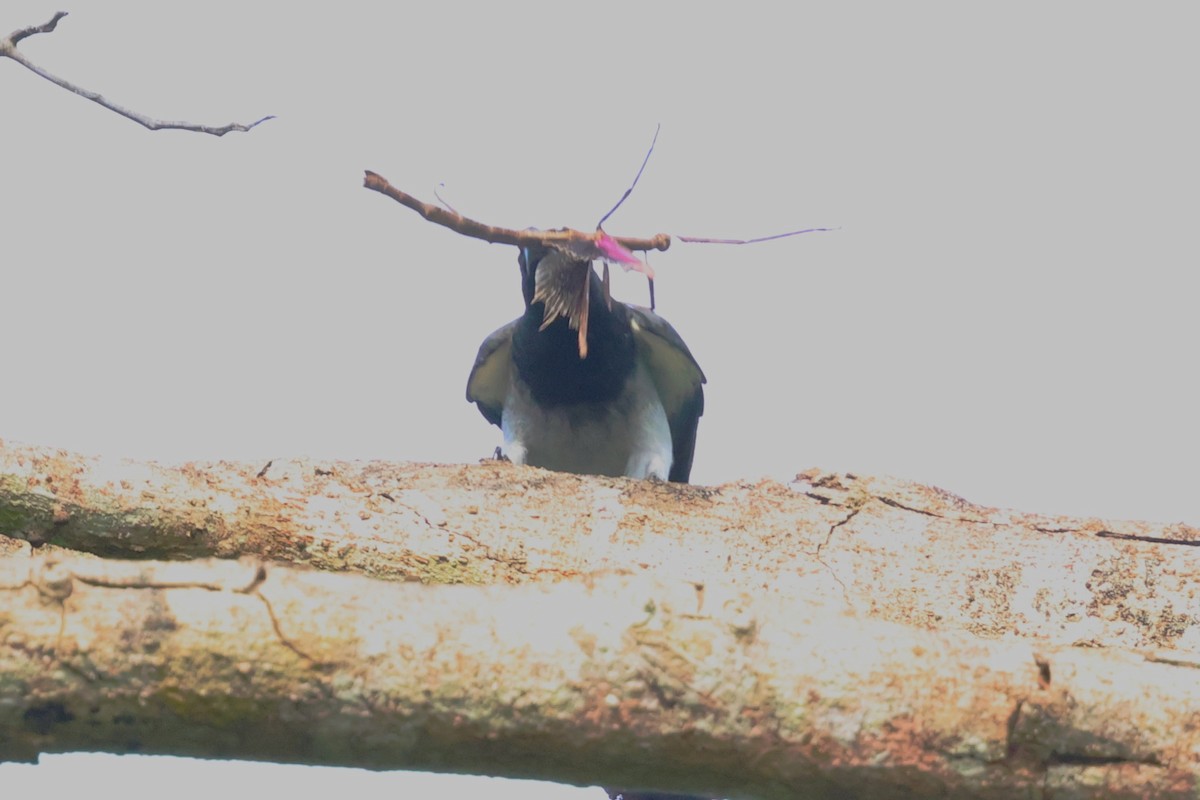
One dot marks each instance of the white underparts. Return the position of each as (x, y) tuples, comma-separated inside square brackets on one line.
[(626, 436)]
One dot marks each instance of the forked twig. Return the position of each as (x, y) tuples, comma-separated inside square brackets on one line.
[(442, 200), (636, 178), (8, 49), (564, 238), (16, 36), (569, 296)]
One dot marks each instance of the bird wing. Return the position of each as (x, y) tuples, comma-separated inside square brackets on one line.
[(678, 379), (487, 386)]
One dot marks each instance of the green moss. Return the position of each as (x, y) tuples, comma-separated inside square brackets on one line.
[(451, 571), (12, 519), (219, 711), (15, 514)]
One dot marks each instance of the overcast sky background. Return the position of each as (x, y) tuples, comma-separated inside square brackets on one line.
[(1008, 309)]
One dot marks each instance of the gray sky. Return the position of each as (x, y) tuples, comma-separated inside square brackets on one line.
[(1007, 310)]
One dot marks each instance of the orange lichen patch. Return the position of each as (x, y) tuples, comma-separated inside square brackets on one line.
[(60, 474), (904, 740)]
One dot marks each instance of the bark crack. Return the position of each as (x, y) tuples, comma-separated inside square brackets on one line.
[(57, 585), (1043, 665), (141, 582), (518, 563), (283, 639), (1014, 719), (836, 525), (441, 525), (897, 504), (1058, 757), (887, 501), (828, 537), (1156, 658), (1106, 534), (1080, 759)]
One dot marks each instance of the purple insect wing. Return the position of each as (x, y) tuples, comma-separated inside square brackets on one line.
[(603, 247)]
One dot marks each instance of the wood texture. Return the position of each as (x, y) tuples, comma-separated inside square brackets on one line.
[(837, 636)]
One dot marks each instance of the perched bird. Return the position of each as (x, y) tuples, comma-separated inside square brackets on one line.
[(580, 383)]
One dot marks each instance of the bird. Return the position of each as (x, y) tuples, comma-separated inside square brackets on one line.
[(584, 384), (579, 383)]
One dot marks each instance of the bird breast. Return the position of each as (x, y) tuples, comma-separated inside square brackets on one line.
[(626, 436)]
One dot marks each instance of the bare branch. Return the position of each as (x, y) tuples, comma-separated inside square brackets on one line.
[(704, 240), (585, 243), (496, 235), (8, 48), (636, 178), (15, 37)]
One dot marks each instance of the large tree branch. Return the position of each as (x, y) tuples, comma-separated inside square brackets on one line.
[(838, 635), (8, 49), (771, 694), (900, 551)]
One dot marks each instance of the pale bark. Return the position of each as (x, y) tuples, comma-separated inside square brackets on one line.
[(837, 636), (897, 550), (631, 681)]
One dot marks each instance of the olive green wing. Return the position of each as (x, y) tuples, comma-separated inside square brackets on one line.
[(678, 379), (487, 386)]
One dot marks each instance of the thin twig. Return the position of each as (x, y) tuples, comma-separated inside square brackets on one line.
[(15, 37), (703, 240), (637, 177), (8, 48), (442, 200), (496, 235)]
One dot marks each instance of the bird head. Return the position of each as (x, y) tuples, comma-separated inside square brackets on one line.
[(557, 280), (560, 277)]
